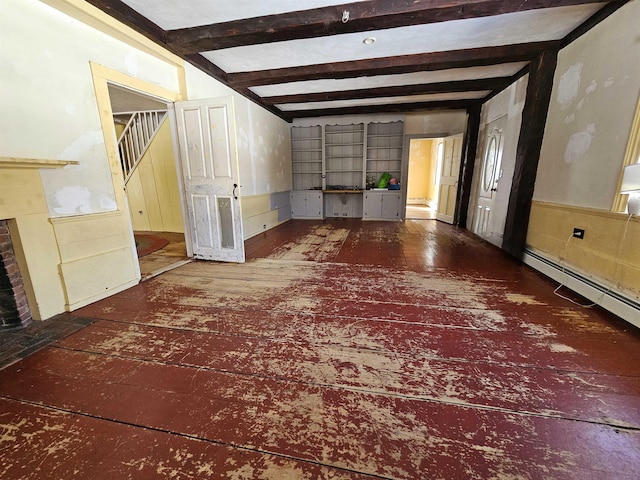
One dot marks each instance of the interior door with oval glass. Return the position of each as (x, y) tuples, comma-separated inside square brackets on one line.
[(489, 177)]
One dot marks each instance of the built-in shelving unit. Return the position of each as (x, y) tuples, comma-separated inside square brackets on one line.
[(306, 157), (384, 149), (338, 159), (344, 165)]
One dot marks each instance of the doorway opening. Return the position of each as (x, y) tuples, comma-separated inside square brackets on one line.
[(149, 169), (423, 179)]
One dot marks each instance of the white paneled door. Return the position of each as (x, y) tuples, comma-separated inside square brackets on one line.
[(450, 169), (206, 135), (485, 224)]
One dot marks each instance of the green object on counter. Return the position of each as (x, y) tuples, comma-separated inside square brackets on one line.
[(384, 180)]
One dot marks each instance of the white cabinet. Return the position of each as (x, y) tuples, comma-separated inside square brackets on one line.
[(378, 205), (306, 204)]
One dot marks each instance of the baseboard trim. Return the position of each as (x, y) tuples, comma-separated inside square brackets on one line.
[(617, 303)]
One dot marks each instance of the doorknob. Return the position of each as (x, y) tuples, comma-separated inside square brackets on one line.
[(235, 185), (494, 189)]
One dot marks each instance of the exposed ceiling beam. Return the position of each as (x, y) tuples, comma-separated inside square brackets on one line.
[(127, 15), (472, 57), (398, 107), (347, 18), (394, 91)]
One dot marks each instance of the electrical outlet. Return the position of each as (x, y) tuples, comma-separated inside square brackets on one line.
[(578, 233)]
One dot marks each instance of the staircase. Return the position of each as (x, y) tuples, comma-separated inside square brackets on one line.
[(136, 138)]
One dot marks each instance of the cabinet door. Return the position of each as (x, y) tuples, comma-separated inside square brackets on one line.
[(372, 205), (390, 206), (313, 205), (297, 205)]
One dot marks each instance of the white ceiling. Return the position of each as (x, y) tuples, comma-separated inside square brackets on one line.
[(296, 63)]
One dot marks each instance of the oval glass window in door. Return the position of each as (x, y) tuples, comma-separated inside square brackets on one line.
[(490, 163)]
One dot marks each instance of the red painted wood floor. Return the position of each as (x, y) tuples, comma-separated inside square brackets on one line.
[(340, 350)]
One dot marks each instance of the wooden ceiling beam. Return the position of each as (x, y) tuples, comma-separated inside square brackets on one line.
[(472, 57), (388, 108), (130, 17), (346, 18), (480, 84)]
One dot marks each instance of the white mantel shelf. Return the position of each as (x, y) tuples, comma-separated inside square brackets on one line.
[(13, 162)]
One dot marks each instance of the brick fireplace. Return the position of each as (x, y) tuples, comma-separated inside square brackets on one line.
[(14, 309)]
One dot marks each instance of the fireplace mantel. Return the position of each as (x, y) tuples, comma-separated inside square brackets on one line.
[(13, 162)]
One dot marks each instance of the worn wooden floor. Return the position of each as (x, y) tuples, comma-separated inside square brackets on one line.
[(340, 350), (166, 258)]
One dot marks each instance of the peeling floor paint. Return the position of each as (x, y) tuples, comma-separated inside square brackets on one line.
[(302, 364)]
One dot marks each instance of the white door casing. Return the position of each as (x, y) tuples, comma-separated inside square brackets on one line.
[(208, 155), (448, 192), (490, 174)]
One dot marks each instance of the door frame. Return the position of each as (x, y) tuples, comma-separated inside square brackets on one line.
[(103, 76), (404, 180)]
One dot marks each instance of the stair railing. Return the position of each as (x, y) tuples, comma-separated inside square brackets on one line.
[(136, 138)]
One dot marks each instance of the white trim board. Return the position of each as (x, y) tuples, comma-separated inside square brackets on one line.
[(609, 299)]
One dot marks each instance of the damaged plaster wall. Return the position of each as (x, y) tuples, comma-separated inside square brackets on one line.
[(47, 87), (594, 96), (264, 151)]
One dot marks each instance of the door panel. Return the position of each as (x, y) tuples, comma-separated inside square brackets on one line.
[(448, 193), (207, 141), (490, 174)]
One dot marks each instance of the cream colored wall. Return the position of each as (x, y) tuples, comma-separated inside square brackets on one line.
[(422, 165), (592, 106), (595, 91), (152, 189), (609, 253)]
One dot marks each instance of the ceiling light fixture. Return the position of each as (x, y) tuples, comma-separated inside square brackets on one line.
[(369, 40)]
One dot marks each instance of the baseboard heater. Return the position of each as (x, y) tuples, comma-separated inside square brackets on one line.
[(625, 307)]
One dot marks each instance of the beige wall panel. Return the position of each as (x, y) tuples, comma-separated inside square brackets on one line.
[(90, 235), (166, 179), (609, 251), (21, 192), (148, 181), (35, 246), (137, 205), (255, 205), (107, 273), (254, 225)]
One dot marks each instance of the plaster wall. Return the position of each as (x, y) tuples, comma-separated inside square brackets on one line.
[(588, 127), (592, 106), (46, 85), (436, 124)]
